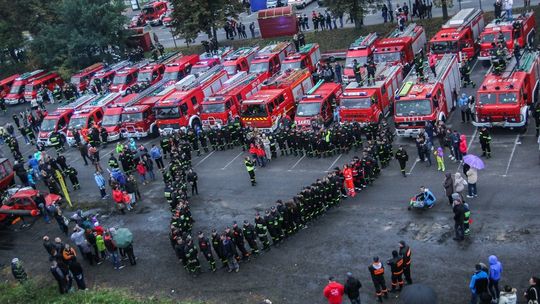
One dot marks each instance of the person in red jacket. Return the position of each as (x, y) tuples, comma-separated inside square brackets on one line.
[(261, 155), (118, 198), (141, 169), (463, 145), (349, 182), (334, 291)]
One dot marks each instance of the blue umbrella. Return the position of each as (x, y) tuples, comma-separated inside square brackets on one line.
[(473, 161)]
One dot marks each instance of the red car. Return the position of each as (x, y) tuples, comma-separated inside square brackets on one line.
[(23, 203)]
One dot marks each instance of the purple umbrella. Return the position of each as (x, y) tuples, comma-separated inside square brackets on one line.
[(473, 161)]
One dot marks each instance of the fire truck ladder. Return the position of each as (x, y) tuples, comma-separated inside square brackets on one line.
[(81, 101), (286, 78), (101, 101), (408, 31), (442, 65), (239, 52), (305, 48), (30, 74), (190, 82), (240, 79), (527, 58), (169, 57), (117, 66), (363, 42), (146, 92)]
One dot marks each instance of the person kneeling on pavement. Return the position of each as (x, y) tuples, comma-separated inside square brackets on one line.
[(424, 199)]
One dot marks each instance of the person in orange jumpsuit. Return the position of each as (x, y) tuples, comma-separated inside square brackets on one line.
[(348, 174)]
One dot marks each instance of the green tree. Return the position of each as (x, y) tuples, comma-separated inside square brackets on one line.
[(356, 9), (86, 31), (193, 16)]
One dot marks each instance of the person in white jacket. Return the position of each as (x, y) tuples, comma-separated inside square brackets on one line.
[(507, 5), (508, 295), (472, 178)]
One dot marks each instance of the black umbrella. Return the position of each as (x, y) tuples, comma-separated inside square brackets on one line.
[(417, 294)]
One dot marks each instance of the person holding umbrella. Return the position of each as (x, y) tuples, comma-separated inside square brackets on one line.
[(124, 240)]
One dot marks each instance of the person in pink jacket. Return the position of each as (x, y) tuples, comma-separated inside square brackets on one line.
[(432, 60), (463, 145)]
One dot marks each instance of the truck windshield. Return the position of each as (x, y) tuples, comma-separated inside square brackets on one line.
[(148, 10), (132, 117), (308, 109), (146, 76), (213, 108), (507, 98), (387, 57), (361, 60), (168, 112), (29, 88), (492, 37), (75, 80), (48, 125), (444, 47), (171, 76), (77, 123), (294, 65), (254, 110), (230, 69), (16, 89), (110, 120), (259, 67), (119, 79), (413, 107), (487, 98), (356, 103)]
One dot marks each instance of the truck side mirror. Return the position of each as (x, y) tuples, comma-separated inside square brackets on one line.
[(525, 96)]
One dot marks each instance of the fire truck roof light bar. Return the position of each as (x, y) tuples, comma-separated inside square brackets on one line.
[(407, 32)]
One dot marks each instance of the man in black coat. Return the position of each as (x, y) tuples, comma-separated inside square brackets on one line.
[(459, 218), (352, 288)]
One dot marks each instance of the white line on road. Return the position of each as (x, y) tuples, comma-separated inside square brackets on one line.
[(516, 142), (232, 161), (297, 163), (414, 165), (335, 161), (207, 156)]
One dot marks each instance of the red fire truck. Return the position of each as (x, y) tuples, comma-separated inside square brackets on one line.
[(239, 60), (520, 28), (91, 114), (107, 74), (81, 79), (225, 104), (179, 68), (418, 102), (150, 74), (306, 58), (278, 97), (318, 105), (126, 78), (181, 107), (16, 93), (400, 46), (459, 34), (49, 81), (371, 102), (360, 50), (6, 84), (58, 120), (268, 59), (504, 100)]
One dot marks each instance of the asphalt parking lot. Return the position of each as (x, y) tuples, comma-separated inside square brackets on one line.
[(345, 239)]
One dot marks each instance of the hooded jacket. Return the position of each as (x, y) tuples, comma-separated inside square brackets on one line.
[(495, 268), (508, 297), (448, 184), (459, 183), (472, 176), (479, 282), (463, 144)]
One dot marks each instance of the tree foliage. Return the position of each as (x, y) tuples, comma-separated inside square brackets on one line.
[(190, 17), (85, 32), (444, 4), (356, 9)]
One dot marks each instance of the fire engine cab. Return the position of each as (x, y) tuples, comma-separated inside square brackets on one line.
[(268, 59), (81, 79), (126, 78), (107, 74), (400, 47), (317, 106), (418, 102), (16, 93), (181, 107), (371, 102), (459, 34), (306, 58), (520, 28), (58, 120), (360, 50), (239, 60), (225, 104), (179, 68), (6, 84), (277, 97), (504, 100)]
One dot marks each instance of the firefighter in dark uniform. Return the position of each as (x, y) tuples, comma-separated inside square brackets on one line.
[(419, 66), (204, 141), (402, 157), (485, 140), (376, 269), (465, 71), (212, 138), (273, 227), (13, 145), (279, 222), (72, 175), (357, 72), (56, 142), (250, 167), (218, 248), (165, 146), (168, 193), (205, 247), (238, 238), (193, 264), (251, 237), (62, 162), (371, 69), (536, 115), (104, 136), (30, 133), (396, 267), (262, 231), (113, 162), (405, 252)]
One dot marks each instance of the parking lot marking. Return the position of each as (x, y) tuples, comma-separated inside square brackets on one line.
[(231, 160), (335, 161), (207, 156), (516, 142), (414, 165), (297, 162)]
